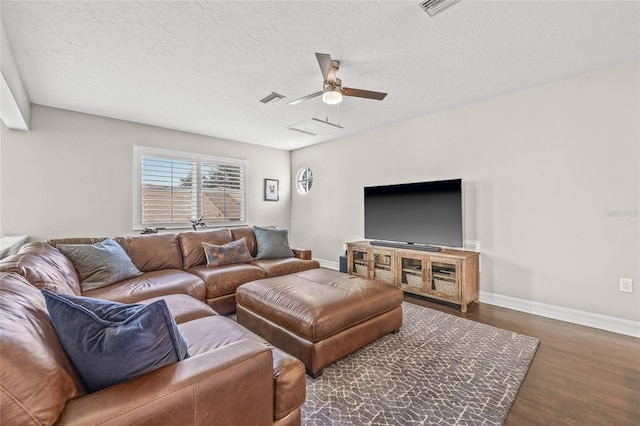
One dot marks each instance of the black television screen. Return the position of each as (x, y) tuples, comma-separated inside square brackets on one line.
[(422, 213)]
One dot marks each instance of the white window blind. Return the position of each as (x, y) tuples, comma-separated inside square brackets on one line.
[(174, 188)]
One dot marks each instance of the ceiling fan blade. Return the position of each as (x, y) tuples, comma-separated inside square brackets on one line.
[(305, 98), (348, 91), (324, 61)]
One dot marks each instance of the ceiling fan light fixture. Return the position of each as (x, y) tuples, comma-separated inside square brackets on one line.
[(332, 97), (332, 90)]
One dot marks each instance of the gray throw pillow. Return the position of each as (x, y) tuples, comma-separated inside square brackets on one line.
[(272, 243), (100, 264)]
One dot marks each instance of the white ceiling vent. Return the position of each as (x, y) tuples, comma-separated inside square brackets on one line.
[(433, 7), (272, 97), (315, 126)]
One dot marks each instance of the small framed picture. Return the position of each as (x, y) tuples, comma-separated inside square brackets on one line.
[(271, 190)]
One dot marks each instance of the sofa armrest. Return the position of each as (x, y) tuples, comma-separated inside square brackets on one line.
[(229, 385), (303, 254)]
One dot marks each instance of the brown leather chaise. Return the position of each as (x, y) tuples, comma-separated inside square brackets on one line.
[(320, 315), (232, 376)]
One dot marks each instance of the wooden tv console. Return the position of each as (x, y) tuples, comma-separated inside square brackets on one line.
[(448, 275)]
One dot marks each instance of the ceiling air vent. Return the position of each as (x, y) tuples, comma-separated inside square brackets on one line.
[(433, 7), (314, 126), (272, 97)]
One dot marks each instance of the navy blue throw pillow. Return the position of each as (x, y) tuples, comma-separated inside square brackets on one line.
[(110, 342)]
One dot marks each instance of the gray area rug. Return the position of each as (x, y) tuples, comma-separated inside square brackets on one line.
[(438, 370)]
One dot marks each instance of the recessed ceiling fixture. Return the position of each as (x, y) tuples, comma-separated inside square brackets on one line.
[(273, 96), (314, 126), (433, 7), (332, 90)]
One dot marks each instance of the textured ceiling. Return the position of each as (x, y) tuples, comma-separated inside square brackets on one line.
[(202, 67)]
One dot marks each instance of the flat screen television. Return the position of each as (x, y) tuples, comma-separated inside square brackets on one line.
[(421, 214)]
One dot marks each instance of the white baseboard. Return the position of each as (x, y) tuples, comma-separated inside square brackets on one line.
[(603, 322), (328, 264)]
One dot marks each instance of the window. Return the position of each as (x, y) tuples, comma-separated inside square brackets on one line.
[(174, 188), (304, 180)]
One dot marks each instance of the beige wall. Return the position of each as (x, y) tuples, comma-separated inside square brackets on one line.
[(542, 169), (72, 174)]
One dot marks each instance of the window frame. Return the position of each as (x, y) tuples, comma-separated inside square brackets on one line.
[(140, 152)]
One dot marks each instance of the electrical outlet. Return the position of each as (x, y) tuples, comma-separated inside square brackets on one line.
[(626, 285)]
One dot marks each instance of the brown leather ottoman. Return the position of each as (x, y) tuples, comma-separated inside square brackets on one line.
[(319, 315)]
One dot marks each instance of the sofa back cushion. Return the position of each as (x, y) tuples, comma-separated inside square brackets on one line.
[(249, 236), (37, 378), (153, 252), (44, 266), (191, 245)]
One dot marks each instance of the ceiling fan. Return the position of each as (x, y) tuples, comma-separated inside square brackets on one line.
[(332, 90)]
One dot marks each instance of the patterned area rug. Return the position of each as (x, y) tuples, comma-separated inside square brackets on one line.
[(438, 370)]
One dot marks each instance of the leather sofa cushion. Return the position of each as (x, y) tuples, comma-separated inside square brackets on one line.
[(151, 284), (222, 280), (205, 334), (153, 252), (183, 308), (31, 356), (318, 303), (44, 266), (191, 245), (249, 236), (290, 265), (209, 333)]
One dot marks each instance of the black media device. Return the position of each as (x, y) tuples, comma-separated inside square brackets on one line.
[(414, 215), (343, 264)]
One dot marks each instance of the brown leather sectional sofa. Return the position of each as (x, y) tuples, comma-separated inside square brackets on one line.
[(176, 263), (233, 377)]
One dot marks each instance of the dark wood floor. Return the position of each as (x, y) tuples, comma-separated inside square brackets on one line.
[(579, 376)]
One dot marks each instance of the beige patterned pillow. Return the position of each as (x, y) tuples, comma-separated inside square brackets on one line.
[(233, 252)]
